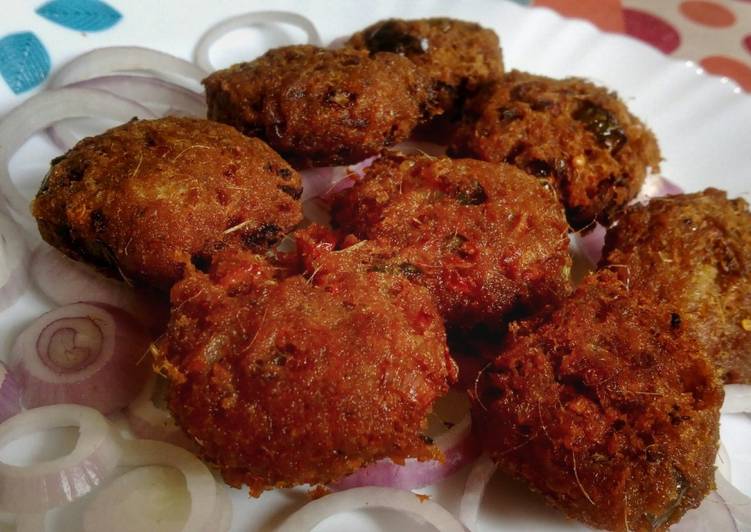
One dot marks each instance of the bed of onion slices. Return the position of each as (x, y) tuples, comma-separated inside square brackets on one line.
[(14, 261), (41, 486), (149, 419), (10, 394), (66, 281), (206, 42), (420, 507), (84, 353), (100, 84)]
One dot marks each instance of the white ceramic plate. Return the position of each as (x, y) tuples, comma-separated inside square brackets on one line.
[(703, 124)]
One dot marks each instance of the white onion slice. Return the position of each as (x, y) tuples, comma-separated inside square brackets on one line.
[(10, 394), (85, 353), (474, 489), (588, 247), (456, 445), (322, 181), (656, 186), (198, 479), (14, 258), (726, 508), (737, 399), (44, 485), (150, 422), (65, 281), (104, 61), (152, 498), (161, 98), (318, 510), (722, 462), (39, 112), (202, 55)]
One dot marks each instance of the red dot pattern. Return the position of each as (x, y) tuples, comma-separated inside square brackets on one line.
[(718, 29), (651, 29), (709, 14)]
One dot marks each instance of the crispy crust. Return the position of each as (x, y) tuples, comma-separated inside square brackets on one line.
[(694, 252), (486, 239), (605, 408), (578, 135), (457, 56), (286, 381), (321, 107), (140, 200)]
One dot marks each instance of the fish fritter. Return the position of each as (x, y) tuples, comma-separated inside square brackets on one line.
[(578, 135), (293, 380), (321, 107), (144, 198), (605, 407), (486, 239), (456, 55), (694, 252)]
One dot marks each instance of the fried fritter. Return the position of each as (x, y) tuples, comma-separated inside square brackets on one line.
[(292, 380), (486, 239), (694, 252), (578, 135), (456, 55), (321, 107), (605, 407), (142, 199)]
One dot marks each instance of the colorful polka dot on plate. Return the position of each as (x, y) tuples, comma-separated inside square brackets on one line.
[(727, 66), (710, 14), (747, 42), (651, 29)]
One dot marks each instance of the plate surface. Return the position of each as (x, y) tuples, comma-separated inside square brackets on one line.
[(703, 124)]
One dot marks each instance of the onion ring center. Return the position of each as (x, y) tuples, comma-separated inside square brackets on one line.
[(70, 344)]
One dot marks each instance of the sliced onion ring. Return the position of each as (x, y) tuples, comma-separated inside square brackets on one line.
[(140, 500), (150, 422), (726, 508), (198, 479), (103, 61), (474, 489), (65, 281), (656, 186), (457, 446), (737, 399), (722, 462), (162, 98), (14, 258), (85, 353), (41, 486), (202, 56), (410, 503), (10, 394), (39, 112)]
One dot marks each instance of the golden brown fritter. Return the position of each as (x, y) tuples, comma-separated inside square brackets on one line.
[(321, 107), (577, 134), (605, 407), (486, 239), (286, 381), (457, 56), (694, 252), (143, 198)]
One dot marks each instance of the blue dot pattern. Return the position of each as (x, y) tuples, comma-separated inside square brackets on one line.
[(80, 15), (24, 61)]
